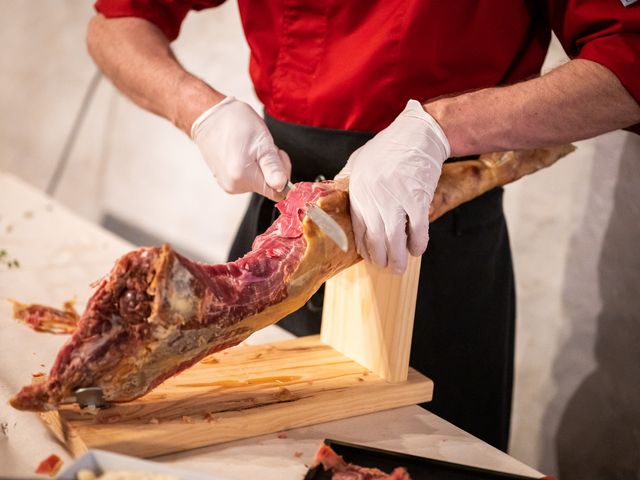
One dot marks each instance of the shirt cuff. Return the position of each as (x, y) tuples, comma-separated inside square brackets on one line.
[(620, 53)]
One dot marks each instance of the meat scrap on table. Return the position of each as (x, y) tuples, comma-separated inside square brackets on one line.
[(47, 319), (341, 470), (50, 465)]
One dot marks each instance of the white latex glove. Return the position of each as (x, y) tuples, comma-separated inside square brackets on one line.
[(239, 150), (392, 179)]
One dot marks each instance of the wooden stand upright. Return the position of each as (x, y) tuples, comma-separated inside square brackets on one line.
[(368, 316)]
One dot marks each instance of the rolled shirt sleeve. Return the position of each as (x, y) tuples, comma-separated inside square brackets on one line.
[(603, 31), (167, 15)]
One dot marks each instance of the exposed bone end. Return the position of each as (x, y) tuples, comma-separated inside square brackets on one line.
[(33, 398)]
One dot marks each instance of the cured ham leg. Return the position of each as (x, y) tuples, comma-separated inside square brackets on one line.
[(157, 312)]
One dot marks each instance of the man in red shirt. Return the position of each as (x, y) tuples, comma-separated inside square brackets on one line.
[(393, 89)]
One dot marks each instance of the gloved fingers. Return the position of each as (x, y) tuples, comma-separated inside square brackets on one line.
[(259, 185), (252, 180), (395, 226), (286, 162), (375, 238), (359, 230), (417, 242), (272, 193), (418, 224), (233, 176), (275, 169)]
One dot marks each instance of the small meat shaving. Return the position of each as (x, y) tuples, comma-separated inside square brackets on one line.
[(111, 418), (154, 421), (210, 418), (210, 360), (297, 454), (187, 419), (38, 377), (285, 395), (282, 435), (50, 465), (47, 319)]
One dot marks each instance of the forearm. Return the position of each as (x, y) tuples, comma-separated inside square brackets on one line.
[(136, 56), (578, 100)]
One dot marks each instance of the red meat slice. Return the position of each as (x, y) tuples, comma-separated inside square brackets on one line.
[(50, 465)]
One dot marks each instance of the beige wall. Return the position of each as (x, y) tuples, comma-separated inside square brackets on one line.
[(574, 228), (126, 163)]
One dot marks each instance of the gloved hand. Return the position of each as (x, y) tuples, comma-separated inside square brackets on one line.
[(239, 150), (392, 180)]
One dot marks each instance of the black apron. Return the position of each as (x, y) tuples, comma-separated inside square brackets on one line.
[(463, 334)]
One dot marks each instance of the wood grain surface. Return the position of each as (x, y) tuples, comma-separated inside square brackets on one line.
[(241, 392), (368, 316)]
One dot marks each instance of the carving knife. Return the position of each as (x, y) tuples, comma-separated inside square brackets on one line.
[(325, 222)]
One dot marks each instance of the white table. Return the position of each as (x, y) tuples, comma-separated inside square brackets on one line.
[(60, 254)]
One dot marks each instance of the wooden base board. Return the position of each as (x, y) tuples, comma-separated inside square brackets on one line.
[(238, 393)]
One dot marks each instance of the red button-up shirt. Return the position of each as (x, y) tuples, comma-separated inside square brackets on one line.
[(353, 64)]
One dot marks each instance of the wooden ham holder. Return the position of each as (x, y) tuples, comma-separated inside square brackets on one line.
[(359, 364)]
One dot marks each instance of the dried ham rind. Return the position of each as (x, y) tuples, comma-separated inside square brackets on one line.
[(463, 181)]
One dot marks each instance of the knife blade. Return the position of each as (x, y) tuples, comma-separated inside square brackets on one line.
[(325, 222)]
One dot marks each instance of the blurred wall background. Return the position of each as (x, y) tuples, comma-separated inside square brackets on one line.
[(575, 227)]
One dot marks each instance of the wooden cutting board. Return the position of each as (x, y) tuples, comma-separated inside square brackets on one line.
[(238, 393)]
